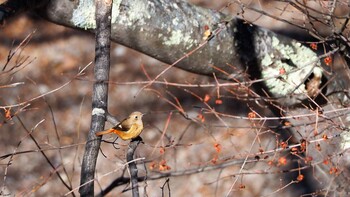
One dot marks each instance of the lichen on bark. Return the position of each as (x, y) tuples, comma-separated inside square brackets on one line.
[(287, 66)]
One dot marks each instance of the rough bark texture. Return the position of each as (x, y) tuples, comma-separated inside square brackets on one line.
[(99, 97), (167, 30), (133, 167)]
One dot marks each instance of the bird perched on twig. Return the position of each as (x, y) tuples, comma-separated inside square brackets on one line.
[(129, 128)]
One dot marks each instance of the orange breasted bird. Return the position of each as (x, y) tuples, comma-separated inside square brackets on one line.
[(127, 129)]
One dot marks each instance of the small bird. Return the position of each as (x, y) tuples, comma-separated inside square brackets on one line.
[(127, 129)]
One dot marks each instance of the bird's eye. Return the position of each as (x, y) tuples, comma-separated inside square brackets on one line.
[(136, 117)]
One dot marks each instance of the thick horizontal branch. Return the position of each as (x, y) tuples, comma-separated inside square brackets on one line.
[(169, 30), (165, 30)]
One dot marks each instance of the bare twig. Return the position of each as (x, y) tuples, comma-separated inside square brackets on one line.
[(104, 175), (13, 154), (59, 150), (40, 150), (81, 72), (44, 154)]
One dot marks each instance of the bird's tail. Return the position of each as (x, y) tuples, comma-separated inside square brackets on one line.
[(104, 132)]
